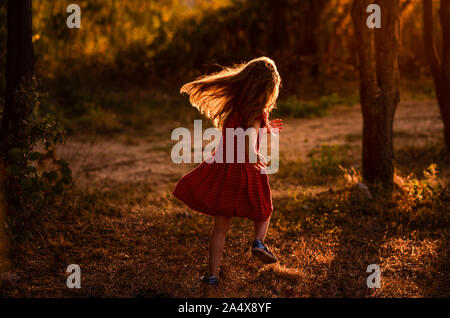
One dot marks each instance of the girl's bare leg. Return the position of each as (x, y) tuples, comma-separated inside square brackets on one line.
[(261, 229), (217, 243), (259, 249)]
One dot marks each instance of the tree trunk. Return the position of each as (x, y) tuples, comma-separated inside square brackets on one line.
[(379, 91), (19, 67), (440, 66), (4, 242), (316, 9)]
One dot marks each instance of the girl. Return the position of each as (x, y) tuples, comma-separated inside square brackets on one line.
[(237, 97)]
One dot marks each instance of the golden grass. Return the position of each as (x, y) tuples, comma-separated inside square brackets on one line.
[(324, 242)]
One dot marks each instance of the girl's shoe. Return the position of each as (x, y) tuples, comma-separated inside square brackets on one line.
[(262, 252), (210, 280)]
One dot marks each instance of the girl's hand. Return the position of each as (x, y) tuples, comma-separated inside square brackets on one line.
[(261, 163), (277, 123)]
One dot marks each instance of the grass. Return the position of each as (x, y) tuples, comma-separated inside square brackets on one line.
[(102, 111), (324, 242), (415, 157), (327, 159), (420, 88), (322, 166), (292, 106)]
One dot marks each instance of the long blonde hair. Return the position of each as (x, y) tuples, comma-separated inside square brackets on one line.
[(248, 89)]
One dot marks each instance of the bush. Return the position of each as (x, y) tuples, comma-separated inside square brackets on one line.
[(327, 160), (427, 190), (34, 179)]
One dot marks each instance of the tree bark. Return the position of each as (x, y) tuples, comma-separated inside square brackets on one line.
[(4, 242), (316, 9), (19, 67), (439, 66), (379, 88), (404, 6)]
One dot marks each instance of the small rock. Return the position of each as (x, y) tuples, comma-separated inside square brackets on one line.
[(184, 214), (360, 192)]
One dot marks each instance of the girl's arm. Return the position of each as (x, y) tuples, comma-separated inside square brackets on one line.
[(251, 147), (276, 123)]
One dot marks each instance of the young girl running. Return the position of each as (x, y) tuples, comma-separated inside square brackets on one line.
[(237, 97)]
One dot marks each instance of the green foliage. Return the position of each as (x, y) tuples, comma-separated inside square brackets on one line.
[(28, 96), (294, 107), (428, 189), (171, 40), (327, 160), (301, 213), (105, 111), (34, 177), (49, 131), (122, 37)]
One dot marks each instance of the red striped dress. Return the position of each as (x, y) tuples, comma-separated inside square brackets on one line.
[(228, 189)]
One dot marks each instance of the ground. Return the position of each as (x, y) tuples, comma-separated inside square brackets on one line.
[(131, 238)]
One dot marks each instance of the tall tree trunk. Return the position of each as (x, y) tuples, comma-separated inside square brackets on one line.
[(379, 91), (440, 66), (19, 67), (4, 242), (316, 9)]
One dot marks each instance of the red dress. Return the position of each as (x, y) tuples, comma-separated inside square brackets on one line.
[(228, 189)]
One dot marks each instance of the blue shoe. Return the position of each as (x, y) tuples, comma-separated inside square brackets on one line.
[(210, 280), (262, 252)]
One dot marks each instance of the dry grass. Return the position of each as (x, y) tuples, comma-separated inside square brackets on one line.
[(132, 239)]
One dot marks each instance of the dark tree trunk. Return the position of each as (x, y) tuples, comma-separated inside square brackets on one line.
[(4, 242), (440, 66), (316, 8), (19, 67), (379, 91)]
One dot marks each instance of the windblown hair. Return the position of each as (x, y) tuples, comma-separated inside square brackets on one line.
[(248, 89)]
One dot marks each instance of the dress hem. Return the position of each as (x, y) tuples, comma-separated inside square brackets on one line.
[(216, 212)]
